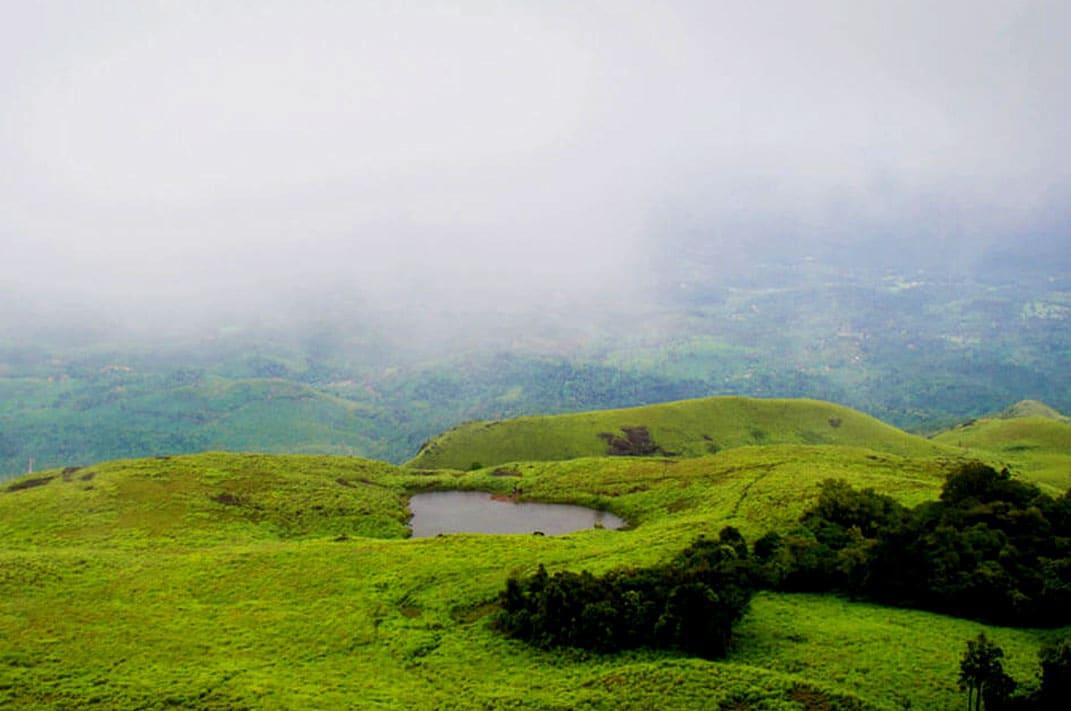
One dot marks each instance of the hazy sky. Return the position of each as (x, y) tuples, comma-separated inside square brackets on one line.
[(495, 155)]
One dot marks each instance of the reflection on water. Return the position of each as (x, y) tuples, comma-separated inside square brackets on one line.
[(476, 512)]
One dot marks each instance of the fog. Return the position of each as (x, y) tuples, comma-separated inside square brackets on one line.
[(188, 164)]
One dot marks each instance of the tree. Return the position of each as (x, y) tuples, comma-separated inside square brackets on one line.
[(1055, 674), (980, 670)]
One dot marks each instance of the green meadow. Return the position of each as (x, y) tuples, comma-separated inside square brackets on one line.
[(1035, 447), (226, 580)]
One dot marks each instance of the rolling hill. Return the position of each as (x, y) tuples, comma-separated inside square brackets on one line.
[(687, 428), (1032, 408), (1030, 438), (228, 580)]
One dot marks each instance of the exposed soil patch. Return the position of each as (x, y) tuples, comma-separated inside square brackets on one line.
[(227, 499), (712, 447), (505, 472), (466, 615), (835, 422), (88, 476), (68, 472), (343, 482), (637, 442), (611, 681), (679, 505), (813, 699), (30, 483)]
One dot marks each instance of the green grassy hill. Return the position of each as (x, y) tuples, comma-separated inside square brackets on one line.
[(1032, 408), (688, 428), (1035, 445), (226, 580)]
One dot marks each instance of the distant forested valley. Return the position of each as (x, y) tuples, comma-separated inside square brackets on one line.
[(921, 350)]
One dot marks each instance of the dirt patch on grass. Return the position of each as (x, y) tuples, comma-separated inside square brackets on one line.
[(69, 472), (505, 472), (636, 442), (813, 699), (611, 681), (410, 611), (29, 483), (88, 476), (472, 613), (342, 482), (679, 505), (228, 499)]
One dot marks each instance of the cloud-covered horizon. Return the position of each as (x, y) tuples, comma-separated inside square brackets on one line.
[(188, 157)]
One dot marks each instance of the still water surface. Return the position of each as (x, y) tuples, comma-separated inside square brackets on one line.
[(476, 512)]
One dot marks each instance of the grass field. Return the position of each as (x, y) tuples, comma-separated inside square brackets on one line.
[(1035, 447), (687, 428), (224, 580)]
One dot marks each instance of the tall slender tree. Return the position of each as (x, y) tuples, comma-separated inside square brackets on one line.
[(981, 668)]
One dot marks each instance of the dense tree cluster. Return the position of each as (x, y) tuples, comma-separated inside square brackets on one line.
[(991, 548), (689, 604)]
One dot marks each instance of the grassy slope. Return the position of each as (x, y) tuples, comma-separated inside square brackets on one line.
[(687, 428), (1032, 408), (1034, 447), (203, 500), (146, 590)]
